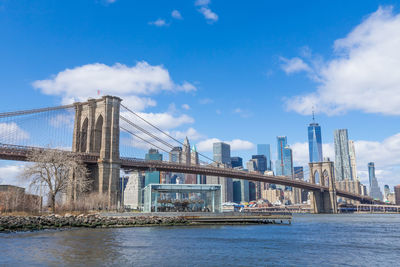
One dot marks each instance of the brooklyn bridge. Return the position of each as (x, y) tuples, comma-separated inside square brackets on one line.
[(102, 132)]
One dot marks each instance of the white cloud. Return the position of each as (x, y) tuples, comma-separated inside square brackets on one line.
[(385, 155), (176, 14), (158, 23), (11, 174), (294, 65), (62, 120), (236, 144), (185, 106), (11, 131), (242, 113), (208, 14), (364, 73), (202, 2), (191, 134), (167, 120), (83, 82), (205, 101)]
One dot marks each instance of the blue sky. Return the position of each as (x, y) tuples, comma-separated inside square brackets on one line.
[(244, 70)]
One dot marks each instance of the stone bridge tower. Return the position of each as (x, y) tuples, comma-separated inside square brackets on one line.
[(96, 130), (322, 173)]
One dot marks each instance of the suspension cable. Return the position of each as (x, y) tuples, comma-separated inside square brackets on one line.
[(173, 138)]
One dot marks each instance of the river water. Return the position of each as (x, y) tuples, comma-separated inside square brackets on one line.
[(327, 240)]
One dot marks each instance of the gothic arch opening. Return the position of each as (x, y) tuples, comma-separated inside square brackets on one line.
[(316, 177), (84, 135), (97, 134), (325, 177)]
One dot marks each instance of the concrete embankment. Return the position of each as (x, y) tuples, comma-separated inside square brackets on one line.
[(31, 223)]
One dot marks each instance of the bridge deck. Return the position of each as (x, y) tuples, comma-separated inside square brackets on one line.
[(21, 153)]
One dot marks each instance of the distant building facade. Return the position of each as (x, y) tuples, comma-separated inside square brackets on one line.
[(397, 194), (236, 162), (153, 177)]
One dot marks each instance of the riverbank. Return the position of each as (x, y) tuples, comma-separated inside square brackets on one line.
[(119, 220), (32, 223)]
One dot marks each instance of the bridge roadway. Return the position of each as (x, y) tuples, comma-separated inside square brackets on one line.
[(21, 153)]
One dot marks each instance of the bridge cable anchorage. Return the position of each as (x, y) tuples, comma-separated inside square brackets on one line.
[(157, 128)]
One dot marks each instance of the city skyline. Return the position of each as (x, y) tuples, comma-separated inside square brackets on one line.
[(182, 100)]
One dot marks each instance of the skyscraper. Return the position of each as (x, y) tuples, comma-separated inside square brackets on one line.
[(265, 149), (314, 142), (222, 153), (281, 144), (298, 173), (288, 161), (342, 155), (374, 190), (284, 163), (353, 164), (236, 162), (261, 163)]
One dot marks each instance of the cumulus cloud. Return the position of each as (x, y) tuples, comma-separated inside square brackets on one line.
[(176, 14), (236, 144), (130, 83), (202, 2), (205, 101), (11, 131), (385, 154), (159, 23), (294, 65), (185, 106), (363, 74), (190, 133), (11, 174), (204, 9)]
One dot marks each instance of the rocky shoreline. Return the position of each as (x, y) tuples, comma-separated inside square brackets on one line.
[(33, 223)]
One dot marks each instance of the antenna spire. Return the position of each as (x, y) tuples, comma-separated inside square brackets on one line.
[(313, 115)]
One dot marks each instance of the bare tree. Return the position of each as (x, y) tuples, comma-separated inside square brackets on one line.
[(59, 172)]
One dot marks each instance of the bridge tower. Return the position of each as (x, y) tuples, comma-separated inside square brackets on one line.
[(323, 201), (96, 130)]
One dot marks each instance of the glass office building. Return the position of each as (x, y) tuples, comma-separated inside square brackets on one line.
[(222, 153), (265, 149), (314, 143)]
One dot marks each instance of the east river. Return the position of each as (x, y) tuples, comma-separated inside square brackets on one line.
[(317, 240)]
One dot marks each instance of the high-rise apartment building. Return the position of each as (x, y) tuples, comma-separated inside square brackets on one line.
[(314, 142), (374, 190), (265, 149), (342, 155), (353, 164)]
